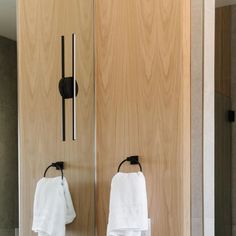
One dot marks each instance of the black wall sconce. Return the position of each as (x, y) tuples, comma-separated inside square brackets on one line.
[(68, 87)]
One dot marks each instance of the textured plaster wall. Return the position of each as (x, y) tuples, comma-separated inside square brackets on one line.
[(8, 138)]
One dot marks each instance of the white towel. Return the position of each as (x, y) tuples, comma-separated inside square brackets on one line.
[(53, 207), (128, 215)]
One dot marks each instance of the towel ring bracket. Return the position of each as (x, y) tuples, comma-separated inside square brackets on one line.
[(134, 160), (58, 165)]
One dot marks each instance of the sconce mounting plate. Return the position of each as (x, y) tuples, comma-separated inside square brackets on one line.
[(66, 87)]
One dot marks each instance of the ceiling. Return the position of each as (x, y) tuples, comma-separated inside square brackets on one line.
[(8, 19), (8, 16)]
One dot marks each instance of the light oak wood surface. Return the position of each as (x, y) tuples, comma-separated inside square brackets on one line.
[(143, 105), (40, 25)]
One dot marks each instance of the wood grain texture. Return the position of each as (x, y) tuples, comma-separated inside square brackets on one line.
[(223, 50), (40, 25), (143, 105)]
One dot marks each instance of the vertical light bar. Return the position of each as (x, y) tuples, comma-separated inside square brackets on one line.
[(62, 56), (63, 118), (74, 85)]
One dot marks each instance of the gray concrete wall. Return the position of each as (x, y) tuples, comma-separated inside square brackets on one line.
[(197, 119), (8, 138)]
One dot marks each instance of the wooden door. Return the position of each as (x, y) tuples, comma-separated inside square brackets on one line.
[(40, 26), (143, 105)]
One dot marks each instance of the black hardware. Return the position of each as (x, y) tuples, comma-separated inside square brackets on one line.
[(61, 88), (58, 165), (231, 116), (68, 87), (134, 160), (75, 87), (62, 56), (63, 119)]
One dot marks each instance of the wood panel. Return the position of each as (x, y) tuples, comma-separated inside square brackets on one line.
[(223, 50), (143, 105), (40, 25)]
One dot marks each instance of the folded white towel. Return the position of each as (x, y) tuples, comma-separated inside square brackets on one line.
[(128, 215), (53, 207)]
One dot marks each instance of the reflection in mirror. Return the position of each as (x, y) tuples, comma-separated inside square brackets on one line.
[(225, 129), (8, 120)]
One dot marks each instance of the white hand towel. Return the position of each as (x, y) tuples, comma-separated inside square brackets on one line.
[(53, 207), (128, 215)]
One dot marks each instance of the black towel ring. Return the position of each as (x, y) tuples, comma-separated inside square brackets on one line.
[(58, 165), (134, 160)]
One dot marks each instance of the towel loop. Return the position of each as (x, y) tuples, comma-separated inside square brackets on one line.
[(134, 160), (58, 165)]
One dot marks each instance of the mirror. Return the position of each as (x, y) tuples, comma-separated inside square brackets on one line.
[(8, 120), (225, 126)]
